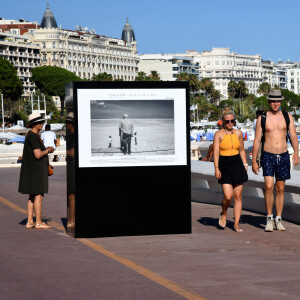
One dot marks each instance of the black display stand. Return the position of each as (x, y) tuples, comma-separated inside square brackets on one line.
[(134, 200)]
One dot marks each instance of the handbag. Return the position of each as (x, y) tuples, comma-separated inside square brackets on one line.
[(50, 171)]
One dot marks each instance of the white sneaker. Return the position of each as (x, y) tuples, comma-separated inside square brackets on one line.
[(279, 225), (269, 225)]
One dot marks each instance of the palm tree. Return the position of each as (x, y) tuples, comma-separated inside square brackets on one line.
[(141, 76), (207, 85), (154, 76), (242, 89), (232, 89), (264, 88), (215, 96), (102, 77), (192, 79)]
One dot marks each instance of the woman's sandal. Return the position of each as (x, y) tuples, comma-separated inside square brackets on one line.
[(28, 225), (238, 229), (220, 220), (42, 226)]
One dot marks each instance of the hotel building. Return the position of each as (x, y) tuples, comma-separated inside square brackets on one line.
[(168, 66), (223, 66), (84, 52), (23, 55)]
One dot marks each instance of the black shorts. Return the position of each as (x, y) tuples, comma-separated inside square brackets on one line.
[(232, 170)]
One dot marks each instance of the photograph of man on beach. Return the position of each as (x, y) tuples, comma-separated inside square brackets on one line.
[(132, 127)]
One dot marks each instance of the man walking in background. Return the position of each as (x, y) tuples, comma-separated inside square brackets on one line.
[(275, 159), (126, 133), (49, 139)]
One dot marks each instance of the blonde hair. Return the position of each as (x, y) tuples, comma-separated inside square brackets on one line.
[(227, 111)]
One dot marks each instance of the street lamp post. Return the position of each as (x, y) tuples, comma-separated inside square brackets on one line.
[(2, 112)]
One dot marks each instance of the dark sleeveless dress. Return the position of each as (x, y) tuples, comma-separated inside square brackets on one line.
[(34, 172)]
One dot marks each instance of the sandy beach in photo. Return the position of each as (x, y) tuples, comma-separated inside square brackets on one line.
[(154, 137)]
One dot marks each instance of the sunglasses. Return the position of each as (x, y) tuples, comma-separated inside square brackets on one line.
[(274, 101), (229, 121)]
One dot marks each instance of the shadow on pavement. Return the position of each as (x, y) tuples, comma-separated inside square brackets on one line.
[(256, 221)]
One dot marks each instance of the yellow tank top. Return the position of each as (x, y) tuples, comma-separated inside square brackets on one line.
[(230, 145)]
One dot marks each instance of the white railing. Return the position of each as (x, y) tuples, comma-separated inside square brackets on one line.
[(205, 189)]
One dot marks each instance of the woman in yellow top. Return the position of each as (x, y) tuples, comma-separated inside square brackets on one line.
[(230, 166)]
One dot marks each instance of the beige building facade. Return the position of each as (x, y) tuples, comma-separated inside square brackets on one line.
[(86, 54), (23, 55), (168, 66)]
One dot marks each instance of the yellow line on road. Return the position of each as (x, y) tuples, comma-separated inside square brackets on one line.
[(143, 271), (173, 286), (13, 206)]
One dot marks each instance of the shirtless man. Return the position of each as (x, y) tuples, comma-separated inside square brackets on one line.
[(275, 157)]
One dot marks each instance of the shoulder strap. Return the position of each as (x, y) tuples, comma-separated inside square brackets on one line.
[(263, 122), (287, 121), (263, 127)]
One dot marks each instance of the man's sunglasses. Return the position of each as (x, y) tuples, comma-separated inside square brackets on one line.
[(229, 121), (274, 101)]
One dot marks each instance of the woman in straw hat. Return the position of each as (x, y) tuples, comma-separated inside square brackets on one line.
[(34, 171)]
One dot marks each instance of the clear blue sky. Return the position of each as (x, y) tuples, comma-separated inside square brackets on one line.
[(267, 27)]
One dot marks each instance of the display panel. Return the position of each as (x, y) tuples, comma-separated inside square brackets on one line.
[(131, 127)]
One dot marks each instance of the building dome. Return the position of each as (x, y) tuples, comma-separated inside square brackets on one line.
[(48, 20), (128, 33)]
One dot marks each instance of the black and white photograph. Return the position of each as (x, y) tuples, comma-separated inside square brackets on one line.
[(132, 127)]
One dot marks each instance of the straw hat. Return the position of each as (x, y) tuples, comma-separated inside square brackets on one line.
[(34, 118), (275, 95), (70, 117)]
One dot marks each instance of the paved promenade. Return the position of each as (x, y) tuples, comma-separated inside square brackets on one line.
[(210, 263)]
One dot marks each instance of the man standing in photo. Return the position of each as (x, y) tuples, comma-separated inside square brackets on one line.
[(126, 133), (49, 139), (275, 160)]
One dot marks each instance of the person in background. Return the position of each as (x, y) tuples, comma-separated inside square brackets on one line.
[(49, 139), (109, 141), (210, 151), (126, 130), (34, 171), (230, 167)]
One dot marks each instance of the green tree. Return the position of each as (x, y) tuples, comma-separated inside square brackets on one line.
[(102, 77), (141, 76), (242, 89), (261, 103), (232, 89), (10, 85), (215, 96), (207, 85), (264, 88), (237, 90), (194, 83), (51, 81), (154, 76), (291, 98)]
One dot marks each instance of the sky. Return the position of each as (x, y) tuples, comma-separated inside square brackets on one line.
[(266, 27), (135, 109)]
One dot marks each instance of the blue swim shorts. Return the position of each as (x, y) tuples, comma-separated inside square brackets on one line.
[(278, 164)]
